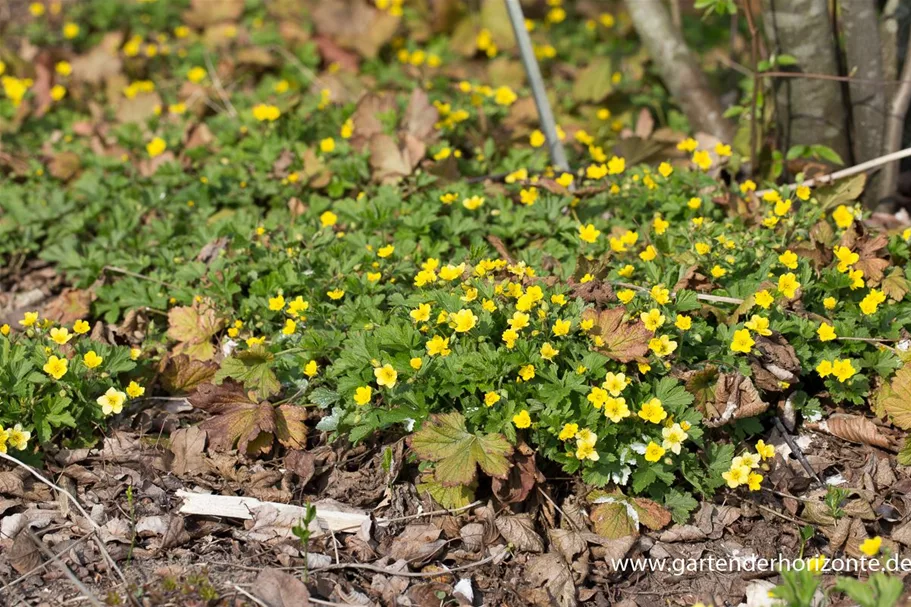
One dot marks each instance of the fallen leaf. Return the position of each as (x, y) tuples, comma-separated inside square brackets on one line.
[(100, 63), (523, 475), (855, 429), (193, 328), (23, 555), (64, 165), (895, 285), (280, 589), (623, 341), (593, 83), (552, 573), (417, 543), (519, 530), (898, 403), (735, 398), (301, 463), (68, 307), (188, 446), (204, 13), (182, 374), (613, 518), (458, 453)]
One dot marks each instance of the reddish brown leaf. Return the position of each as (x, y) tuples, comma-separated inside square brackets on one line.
[(735, 398), (182, 374), (624, 341), (235, 418)]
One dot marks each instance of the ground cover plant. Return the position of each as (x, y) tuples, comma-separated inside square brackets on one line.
[(317, 235)]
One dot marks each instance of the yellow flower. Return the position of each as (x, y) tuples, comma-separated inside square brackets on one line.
[(586, 451), (311, 369), (134, 353), (36, 9), (60, 335), (464, 320), (843, 216), (660, 225), (70, 30), (111, 401), (702, 159), (565, 179), (688, 145), (276, 303), (736, 476), (826, 332), (683, 322), (803, 192), (522, 419), (662, 346), (765, 451), (615, 383), (263, 112), (438, 346), (816, 563), (347, 129), (653, 319), (846, 257), (58, 92), (416, 363), (527, 373), (327, 145), (596, 171), (754, 481), (648, 254), (747, 186), (829, 303), (561, 327), (297, 306), (788, 285), (626, 295), (196, 74), (616, 165), (616, 409), (491, 398), (742, 342), (421, 313), (385, 375), (4, 329), (654, 452), (156, 147), (824, 368), (764, 299), (589, 233), (91, 359), (653, 411), (363, 395), (722, 149), (871, 545), (328, 219), (665, 169), (55, 367), (843, 370), (758, 324), (548, 352), (718, 271), (335, 294), (871, 301), (783, 207), (18, 438), (473, 203), (788, 259), (384, 252), (568, 432), (537, 139), (673, 435), (518, 321), (528, 196), (134, 390), (504, 96), (597, 397), (660, 294)]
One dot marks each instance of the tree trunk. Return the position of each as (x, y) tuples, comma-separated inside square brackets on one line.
[(810, 111), (679, 69), (863, 52)]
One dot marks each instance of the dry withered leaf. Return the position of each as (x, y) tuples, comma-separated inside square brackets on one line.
[(519, 530), (735, 398), (23, 555), (280, 589), (252, 425), (776, 362), (188, 446), (417, 543), (895, 285), (71, 305), (898, 401), (855, 429), (523, 475), (551, 577), (597, 292), (193, 328), (64, 165), (624, 341), (203, 13), (100, 63), (355, 25), (301, 463), (181, 374)]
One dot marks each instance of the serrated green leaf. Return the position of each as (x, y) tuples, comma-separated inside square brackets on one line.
[(253, 367), (443, 439)]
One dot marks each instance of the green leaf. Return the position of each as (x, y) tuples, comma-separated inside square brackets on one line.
[(904, 456), (253, 367), (443, 439), (672, 394), (786, 60), (680, 504), (323, 397), (686, 301), (447, 497), (593, 83)]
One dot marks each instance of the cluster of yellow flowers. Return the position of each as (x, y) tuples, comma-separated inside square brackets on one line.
[(264, 112), (842, 369), (294, 309), (742, 470)]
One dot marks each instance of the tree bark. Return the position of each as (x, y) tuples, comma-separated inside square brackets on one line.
[(810, 111), (679, 69), (895, 127), (863, 52)]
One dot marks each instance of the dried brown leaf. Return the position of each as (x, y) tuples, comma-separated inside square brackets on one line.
[(898, 401), (519, 530), (624, 341), (735, 398)]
